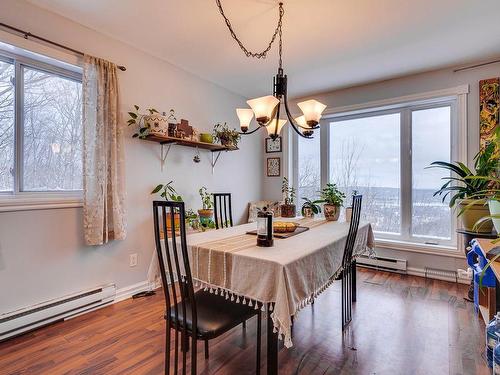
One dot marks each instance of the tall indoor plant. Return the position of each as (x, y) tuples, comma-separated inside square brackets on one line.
[(207, 212), (468, 192), (168, 192), (288, 206), (333, 199)]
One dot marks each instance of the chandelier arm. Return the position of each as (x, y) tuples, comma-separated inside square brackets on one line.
[(250, 132), (258, 55), (292, 120)]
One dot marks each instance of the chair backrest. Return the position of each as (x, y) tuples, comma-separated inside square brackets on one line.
[(353, 230), (170, 229), (223, 213)]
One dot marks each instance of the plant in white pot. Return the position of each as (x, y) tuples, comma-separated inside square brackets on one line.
[(466, 190), (333, 199)]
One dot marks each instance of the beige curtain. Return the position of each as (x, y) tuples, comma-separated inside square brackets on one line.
[(103, 186)]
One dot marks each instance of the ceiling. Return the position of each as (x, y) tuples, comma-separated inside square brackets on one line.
[(328, 44)]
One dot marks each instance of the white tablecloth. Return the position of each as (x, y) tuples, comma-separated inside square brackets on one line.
[(287, 275)]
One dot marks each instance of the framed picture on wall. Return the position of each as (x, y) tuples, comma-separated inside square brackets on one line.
[(273, 167), (273, 146)]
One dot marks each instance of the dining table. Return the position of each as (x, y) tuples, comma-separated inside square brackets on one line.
[(282, 279)]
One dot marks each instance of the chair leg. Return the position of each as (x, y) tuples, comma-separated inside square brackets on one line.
[(259, 330), (353, 281), (206, 349), (244, 324), (167, 348)]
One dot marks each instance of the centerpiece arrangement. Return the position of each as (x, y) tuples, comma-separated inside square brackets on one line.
[(333, 199), (288, 206)]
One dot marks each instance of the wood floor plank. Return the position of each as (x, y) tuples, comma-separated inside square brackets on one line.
[(401, 325)]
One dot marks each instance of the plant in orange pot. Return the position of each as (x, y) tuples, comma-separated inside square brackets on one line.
[(207, 212), (168, 192)]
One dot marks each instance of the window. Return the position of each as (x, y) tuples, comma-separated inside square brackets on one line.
[(309, 176), (365, 156), (40, 127), (383, 153)]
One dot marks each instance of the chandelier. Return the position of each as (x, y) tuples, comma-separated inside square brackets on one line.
[(267, 109)]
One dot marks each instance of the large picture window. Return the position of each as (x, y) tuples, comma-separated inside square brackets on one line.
[(40, 127), (384, 154)]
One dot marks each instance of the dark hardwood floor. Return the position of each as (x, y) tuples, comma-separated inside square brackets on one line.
[(401, 325)]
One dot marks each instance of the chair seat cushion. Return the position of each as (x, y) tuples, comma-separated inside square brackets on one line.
[(216, 315)]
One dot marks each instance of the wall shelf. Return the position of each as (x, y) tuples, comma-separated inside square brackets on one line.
[(167, 142)]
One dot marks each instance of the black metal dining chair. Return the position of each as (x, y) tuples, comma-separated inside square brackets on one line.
[(198, 315), (348, 273), (223, 210)]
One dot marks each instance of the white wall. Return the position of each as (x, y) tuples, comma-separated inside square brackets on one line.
[(413, 84), (42, 254)]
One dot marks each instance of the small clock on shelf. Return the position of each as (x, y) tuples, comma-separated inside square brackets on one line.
[(273, 145)]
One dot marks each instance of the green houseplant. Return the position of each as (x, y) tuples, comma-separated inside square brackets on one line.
[(225, 136), (310, 208), (207, 212), (468, 192), (333, 199), (288, 206), (168, 192), (150, 123)]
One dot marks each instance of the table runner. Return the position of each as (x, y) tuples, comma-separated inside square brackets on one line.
[(288, 275)]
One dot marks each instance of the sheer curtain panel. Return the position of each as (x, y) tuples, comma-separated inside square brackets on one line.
[(103, 186)]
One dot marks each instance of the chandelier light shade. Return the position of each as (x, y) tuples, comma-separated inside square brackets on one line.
[(301, 121), (312, 110), (272, 131), (267, 109), (245, 115), (263, 108)]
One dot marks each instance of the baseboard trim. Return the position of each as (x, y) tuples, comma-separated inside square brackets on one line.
[(416, 271), (121, 295)]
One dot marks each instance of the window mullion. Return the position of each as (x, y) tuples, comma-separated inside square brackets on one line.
[(324, 133), (406, 174), (18, 127)]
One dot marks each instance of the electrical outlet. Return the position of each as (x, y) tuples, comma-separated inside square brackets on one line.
[(133, 260)]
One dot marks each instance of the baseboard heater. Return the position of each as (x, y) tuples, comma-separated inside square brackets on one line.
[(27, 319), (382, 263)]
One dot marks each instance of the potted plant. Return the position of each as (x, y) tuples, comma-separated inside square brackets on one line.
[(168, 192), (150, 123), (466, 190), (288, 206), (207, 212), (310, 208), (333, 199), (225, 136)]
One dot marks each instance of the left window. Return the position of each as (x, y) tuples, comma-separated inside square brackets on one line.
[(40, 128)]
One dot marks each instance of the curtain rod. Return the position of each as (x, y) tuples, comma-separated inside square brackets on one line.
[(27, 35), (476, 65)]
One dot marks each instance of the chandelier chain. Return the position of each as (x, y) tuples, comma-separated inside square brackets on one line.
[(258, 55)]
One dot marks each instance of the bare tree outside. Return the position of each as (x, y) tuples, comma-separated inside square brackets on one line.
[(52, 131)]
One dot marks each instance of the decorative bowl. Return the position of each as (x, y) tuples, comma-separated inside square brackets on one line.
[(206, 138)]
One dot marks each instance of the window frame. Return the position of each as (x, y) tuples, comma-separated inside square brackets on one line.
[(456, 98), (17, 199)]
